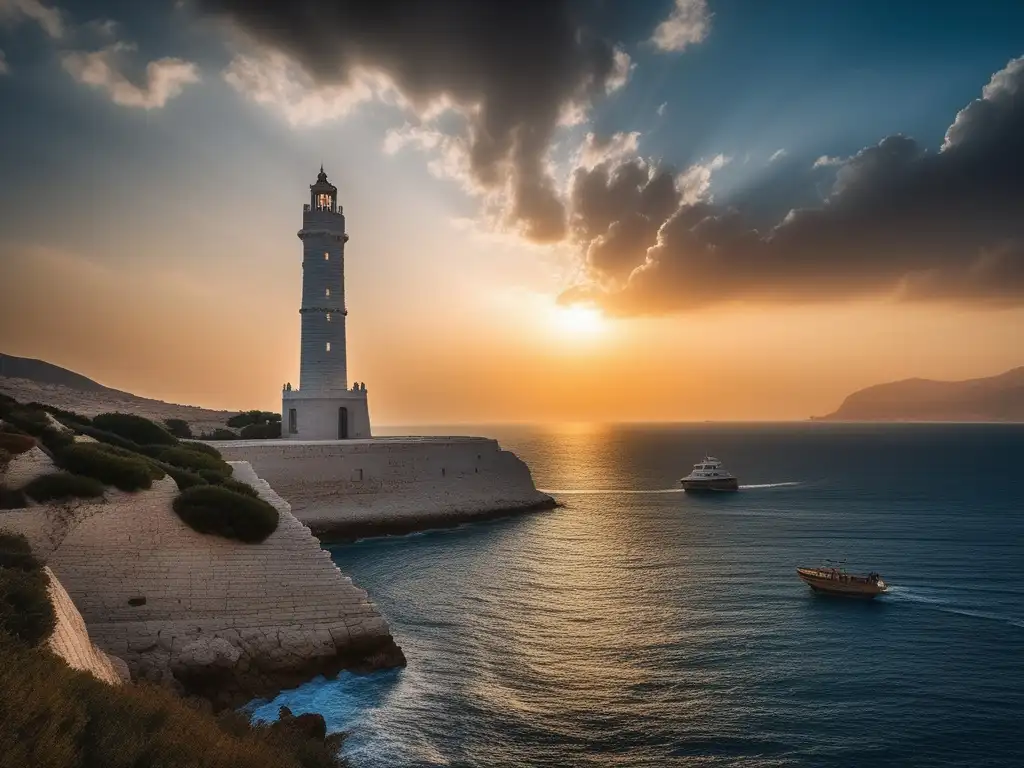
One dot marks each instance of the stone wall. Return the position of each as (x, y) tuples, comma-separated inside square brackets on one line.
[(224, 619), (349, 487)]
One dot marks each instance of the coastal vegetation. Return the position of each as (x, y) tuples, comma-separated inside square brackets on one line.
[(222, 511), (53, 716), (139, 430), (130, 452), (26, 613), (61, 486), (179, 428), (123, 472)]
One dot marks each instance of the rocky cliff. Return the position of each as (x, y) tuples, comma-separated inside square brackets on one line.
[(206, 615)]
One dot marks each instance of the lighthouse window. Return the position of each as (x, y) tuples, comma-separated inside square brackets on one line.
[(327, 256), (327, 292), (328, 346), (328, 317)]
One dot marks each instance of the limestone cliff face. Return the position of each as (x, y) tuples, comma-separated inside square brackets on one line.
[(216, 617), (70, 640)]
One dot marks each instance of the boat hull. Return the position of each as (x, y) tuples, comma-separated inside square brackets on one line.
[(843, 586), (715, 485)]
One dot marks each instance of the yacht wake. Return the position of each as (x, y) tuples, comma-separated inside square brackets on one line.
[(588, 491), (940, 603)]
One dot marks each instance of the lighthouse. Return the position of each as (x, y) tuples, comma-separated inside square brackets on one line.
[(323, 406)]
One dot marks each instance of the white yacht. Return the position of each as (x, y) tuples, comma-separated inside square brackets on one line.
[(708, 475)]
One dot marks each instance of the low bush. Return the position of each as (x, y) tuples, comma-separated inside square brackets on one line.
[(15, 443), (109, 438), (58, 486), (129, 473), (246, 418), (217, 510), (270, 430), (27, 420), (215, 478), (156, 469), (219, 434), (194, 460), (179, 428), (183, 477), (55, 716), (11, 498), (136, 428), (201, 447), (15, 552), (61, 414), (26, 612)]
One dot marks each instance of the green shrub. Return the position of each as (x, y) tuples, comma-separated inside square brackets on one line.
[(182, 477), (139, 430), (54, 716), (15, 552), (63, 485), (179, 428), (223, 512), (15, 443), (156, 470), (109, 438), (129, 473), (27, 420), (209, 450), (245, 418), (270, 430), (26, 612), (219, 434), (61, 414), (194, 460), (215, 478), (239, 487), (11, 498)]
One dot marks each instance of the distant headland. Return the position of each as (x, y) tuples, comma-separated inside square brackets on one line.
[(992, 399)]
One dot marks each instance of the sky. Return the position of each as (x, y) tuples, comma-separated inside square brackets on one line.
[(559, 210)]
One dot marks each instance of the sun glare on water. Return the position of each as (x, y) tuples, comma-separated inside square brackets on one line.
[(579, 320)]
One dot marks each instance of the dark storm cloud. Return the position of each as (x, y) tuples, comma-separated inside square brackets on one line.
[(617, 210), (520, 63), (900, 220)]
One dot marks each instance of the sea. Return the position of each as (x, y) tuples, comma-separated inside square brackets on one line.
[(636, 625)]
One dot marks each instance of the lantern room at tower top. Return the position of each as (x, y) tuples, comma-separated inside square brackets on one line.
[(323, 196), (323, 407)]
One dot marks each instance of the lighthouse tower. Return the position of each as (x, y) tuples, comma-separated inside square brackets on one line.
[(323, 407)]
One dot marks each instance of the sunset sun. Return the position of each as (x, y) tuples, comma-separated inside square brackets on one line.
[(579, 320)]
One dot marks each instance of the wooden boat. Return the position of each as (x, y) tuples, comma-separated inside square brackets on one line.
[(836, 581)]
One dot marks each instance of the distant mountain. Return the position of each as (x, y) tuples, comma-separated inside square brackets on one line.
[(43, 372), (28, 381), (997, 398)]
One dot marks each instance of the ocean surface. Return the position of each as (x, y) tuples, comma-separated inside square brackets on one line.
[(640, 626)]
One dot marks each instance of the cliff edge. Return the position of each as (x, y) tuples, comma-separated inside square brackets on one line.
[(206, 615)]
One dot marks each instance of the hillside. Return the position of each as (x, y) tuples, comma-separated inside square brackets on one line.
[(43, 372), (996, 398), (28, 381)]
